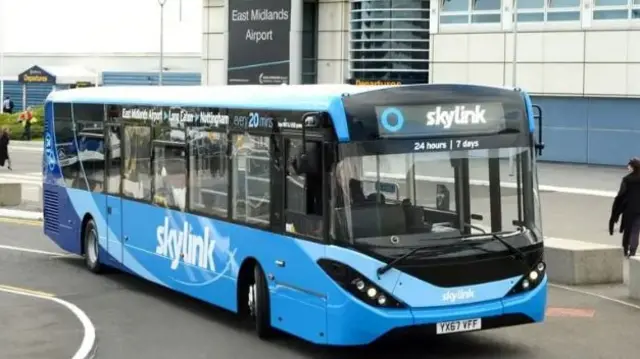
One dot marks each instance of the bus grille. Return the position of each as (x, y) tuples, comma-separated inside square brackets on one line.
[(51, 205)]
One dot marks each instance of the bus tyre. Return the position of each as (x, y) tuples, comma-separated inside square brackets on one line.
[(259, 304), (91, 247)]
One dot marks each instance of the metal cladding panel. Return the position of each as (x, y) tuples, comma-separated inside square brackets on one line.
[(110, 78)]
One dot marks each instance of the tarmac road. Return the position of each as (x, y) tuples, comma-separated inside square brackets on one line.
[(136, 319)]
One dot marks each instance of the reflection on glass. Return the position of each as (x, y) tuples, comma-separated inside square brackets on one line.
[(563, 3), (610, 14), (170, 176), (251, 179), (531, 17), (91, 150), (209, 173), (612, 2), (530, 4), (455, 5), (67, 152), (485, 18), (486, 5), (114, 160), (563, 16), (373, 22), (402, 194), (136, 181)]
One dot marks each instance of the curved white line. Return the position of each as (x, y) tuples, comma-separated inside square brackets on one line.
[(596, 295), (87, 346)]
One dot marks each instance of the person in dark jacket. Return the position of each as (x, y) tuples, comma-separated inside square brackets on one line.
[(627, 204), (4, 148)]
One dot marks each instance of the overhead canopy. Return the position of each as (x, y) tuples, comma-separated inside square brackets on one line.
[(57, 75)]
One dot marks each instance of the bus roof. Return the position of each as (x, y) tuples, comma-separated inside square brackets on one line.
[(325, 98), (271, 97)]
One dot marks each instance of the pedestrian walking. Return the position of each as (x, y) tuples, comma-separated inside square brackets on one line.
[(7, 105), (26, 118), (627, 205), (4, 148)]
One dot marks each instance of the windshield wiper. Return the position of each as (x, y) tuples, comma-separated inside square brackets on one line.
[(444, 249), (518, 254)]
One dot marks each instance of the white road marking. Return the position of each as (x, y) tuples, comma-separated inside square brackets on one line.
[(26, 148), (596, 295), (31, 250), (88, 344)]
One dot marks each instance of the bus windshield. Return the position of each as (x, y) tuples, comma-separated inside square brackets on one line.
[(413, 197)]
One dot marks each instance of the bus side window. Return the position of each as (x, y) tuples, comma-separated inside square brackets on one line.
[(303, 192)]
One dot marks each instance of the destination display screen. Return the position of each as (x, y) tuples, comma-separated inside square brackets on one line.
[(447, 119)]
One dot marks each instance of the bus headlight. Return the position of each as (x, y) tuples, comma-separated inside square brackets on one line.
[(359, 285), (372, 292), (531, 280)]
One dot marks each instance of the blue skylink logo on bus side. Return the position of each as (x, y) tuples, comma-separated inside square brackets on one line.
[(49, 153), (391, 114)]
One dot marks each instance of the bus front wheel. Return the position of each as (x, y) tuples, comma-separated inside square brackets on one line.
[(91, 247), (259, 306)]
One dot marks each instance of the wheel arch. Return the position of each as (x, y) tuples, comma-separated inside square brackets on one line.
[(245, 275)]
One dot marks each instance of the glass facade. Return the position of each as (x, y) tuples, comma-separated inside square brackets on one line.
[(310, 42), (389, 40), (616, 10), (455, 12)]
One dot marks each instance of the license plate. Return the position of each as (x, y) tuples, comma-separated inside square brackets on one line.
[(458, 326)]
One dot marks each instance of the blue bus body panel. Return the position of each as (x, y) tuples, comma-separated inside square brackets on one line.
[(305, 301)]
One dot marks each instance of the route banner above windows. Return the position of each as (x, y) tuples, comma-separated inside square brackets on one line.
[(259, 33)]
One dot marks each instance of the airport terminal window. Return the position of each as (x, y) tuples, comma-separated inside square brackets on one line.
[(613, 9), (454, 12), (531, 10), (470, 11), (563, 10), (389, 40), (251, 179), (208, 171), (136, 181), (310, 42)]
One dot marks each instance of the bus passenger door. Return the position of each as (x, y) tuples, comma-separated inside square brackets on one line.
[(114, 201)]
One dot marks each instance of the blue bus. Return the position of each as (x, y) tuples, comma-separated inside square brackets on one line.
[(336, 213)]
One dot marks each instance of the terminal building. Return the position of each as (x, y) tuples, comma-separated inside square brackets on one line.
[(580, 59)]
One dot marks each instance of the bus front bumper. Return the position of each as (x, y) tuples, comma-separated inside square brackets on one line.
[(356, 323)]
